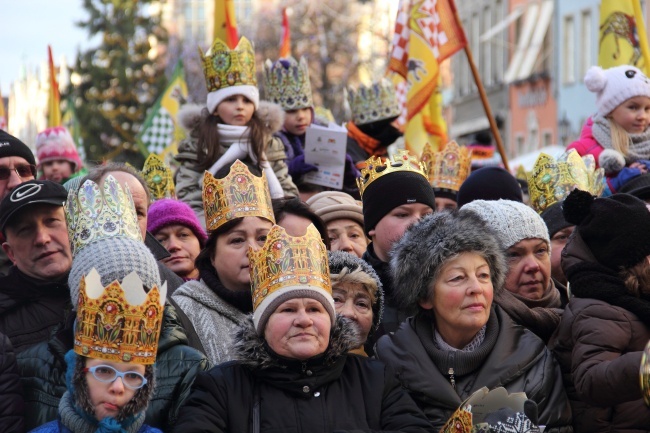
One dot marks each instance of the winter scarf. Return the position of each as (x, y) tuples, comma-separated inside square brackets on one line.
[(77, 423), (639, 143), (441, 344), (293, 144), (365, 142)]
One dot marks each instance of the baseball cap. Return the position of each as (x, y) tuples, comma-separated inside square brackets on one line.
[(29, 193)]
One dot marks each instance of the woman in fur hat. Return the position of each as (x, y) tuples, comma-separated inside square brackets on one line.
[(450, 267)]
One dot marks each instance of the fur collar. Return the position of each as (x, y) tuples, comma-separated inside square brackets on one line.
[(190, 116)]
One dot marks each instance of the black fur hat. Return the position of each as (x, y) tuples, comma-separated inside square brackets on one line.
[(416, 259)]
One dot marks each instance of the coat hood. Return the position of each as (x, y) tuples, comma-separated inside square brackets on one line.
[(190, 116)]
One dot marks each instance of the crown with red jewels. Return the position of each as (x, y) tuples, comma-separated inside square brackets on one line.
[(376, 167), (224, 67)]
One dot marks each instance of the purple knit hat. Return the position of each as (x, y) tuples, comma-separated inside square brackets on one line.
[(167, 211)]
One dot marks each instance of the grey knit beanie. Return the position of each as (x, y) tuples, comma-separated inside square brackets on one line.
[(511, 221), (417, 258)]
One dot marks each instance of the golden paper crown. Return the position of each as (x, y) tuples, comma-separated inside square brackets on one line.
[(376, 167), (288, 86), (95, 213), (448, 168), (224, 67), (119, 322), (373, 103), (645, 374), (286, 261), (552, 180), (158, 177), (240, 194)]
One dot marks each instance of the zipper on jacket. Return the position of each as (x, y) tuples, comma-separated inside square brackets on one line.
[(450, 372)]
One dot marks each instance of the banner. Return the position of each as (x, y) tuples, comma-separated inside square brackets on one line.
[(3, 116), (225, 23), (623, 39), (54, 99), (285, 43)]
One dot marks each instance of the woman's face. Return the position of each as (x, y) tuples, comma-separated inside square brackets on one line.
[(298, 329), (461, 298), (230, 259), (183, 246), (109, 397), (529, 268), (236, 110), (347, 235), (353, 301)]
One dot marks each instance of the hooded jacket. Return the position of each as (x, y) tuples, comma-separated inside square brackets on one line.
[(11, 399), (332, 392)]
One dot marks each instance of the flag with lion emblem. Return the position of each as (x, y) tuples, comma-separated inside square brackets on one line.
[(622, 39)]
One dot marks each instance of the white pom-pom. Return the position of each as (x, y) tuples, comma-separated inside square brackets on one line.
[(595, 79), (611, 161)]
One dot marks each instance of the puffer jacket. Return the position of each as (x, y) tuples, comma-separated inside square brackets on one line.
[(332, 392), (11, 398), (510, 356), (188, 174), (587, 144), (42, 370)]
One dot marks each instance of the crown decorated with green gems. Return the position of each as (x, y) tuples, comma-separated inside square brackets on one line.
[(376, 167), (224, 67), (373, 103), (287, 83), (95, 213)]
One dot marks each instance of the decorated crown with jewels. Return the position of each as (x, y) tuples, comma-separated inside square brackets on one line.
[(240, 194), (224, 67), (95, 213), (553, 179), (448, 168), (119, 322), (372, 103), (287, 83), (376, 167), (158, 177)]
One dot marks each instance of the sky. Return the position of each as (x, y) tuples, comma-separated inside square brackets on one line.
[(28, 26)]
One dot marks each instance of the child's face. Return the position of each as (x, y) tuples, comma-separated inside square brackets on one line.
[(57, 170), (392, 226), (109, 397), (236, 110), (633, 115), (297, 121)]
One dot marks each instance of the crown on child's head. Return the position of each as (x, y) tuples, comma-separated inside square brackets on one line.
[(224, 67), (373, 103), (448, 168), (376, 167), (158, 177), (287, 83)]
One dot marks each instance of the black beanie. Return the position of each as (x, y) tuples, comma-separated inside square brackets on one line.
[(445, 193), (11, 146), (639, 187), (616, 229), (554, 218), (392, 190), (489, 183)]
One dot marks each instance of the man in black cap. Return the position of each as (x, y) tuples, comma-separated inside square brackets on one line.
[(34, 296), (17, 163)]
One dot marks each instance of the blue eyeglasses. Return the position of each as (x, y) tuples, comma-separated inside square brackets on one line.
[(106, 373)]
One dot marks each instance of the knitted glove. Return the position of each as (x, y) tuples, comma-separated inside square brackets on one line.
[(298, 166), (623, 176)]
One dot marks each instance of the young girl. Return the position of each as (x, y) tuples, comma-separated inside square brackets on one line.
[(58, 159), (618, 135)]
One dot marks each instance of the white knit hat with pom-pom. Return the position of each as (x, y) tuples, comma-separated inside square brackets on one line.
[(615, 85)]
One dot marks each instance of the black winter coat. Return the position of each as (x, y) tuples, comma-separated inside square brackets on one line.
[(11, 398), (336, 392)]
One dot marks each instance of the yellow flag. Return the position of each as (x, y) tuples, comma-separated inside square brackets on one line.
[(623, 39), (3, 117), (54, 100), (225, 23)]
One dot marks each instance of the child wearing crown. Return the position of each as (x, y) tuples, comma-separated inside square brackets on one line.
[(233, 125)]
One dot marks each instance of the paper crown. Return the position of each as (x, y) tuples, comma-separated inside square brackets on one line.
[(286, 262), (376, 167), (95, 213), (224, 67), (448, 168), (119, 322), (287, 83), (373, 103), (158, 177), (552, 180), (645, 374), (240, 194)]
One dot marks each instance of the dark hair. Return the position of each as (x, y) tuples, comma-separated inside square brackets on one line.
[(293, 206), (98, 172), (207, 253)]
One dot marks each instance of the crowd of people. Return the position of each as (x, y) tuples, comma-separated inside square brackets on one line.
[(247, 299)]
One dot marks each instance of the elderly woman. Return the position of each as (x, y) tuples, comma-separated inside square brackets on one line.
[(357, 294), (605, 326), (293, 371), (449, 267)]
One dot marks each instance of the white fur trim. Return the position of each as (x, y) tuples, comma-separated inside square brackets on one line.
[(215, 98), (612, 161)]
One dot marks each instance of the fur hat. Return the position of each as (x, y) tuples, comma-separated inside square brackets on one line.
[(333, 205), (218, 96), (489, 183), (57, 143), (616, 229), (615, 85), (167, 211), (11, 146), (417, 258), (511, 221)]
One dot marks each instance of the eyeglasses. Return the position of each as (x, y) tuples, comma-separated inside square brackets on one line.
[(22, 170), (106, 373)]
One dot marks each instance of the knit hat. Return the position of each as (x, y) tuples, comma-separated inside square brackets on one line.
[(511, 221), (417, 258), (489, 183), (11, 146), (57, 143), (217, 97), (167, 211), (333, 205), (616, 85), (554, 218), (616, 229)]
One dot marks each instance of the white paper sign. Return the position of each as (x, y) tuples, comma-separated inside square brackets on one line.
[(325, 148)]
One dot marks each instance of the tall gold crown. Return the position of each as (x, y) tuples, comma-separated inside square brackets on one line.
[(94, 213), (286, 261), (448, 168), (158, 177), (287, 83), (119, 322), (224, 67), (373, 103), (239, 194), (552, 180), (376, 167)]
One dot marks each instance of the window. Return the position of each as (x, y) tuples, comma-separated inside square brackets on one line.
[(500, 49), (521, 142), (486, 49), (585, 41), (568, 56), (475, 33), (548, 139)]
